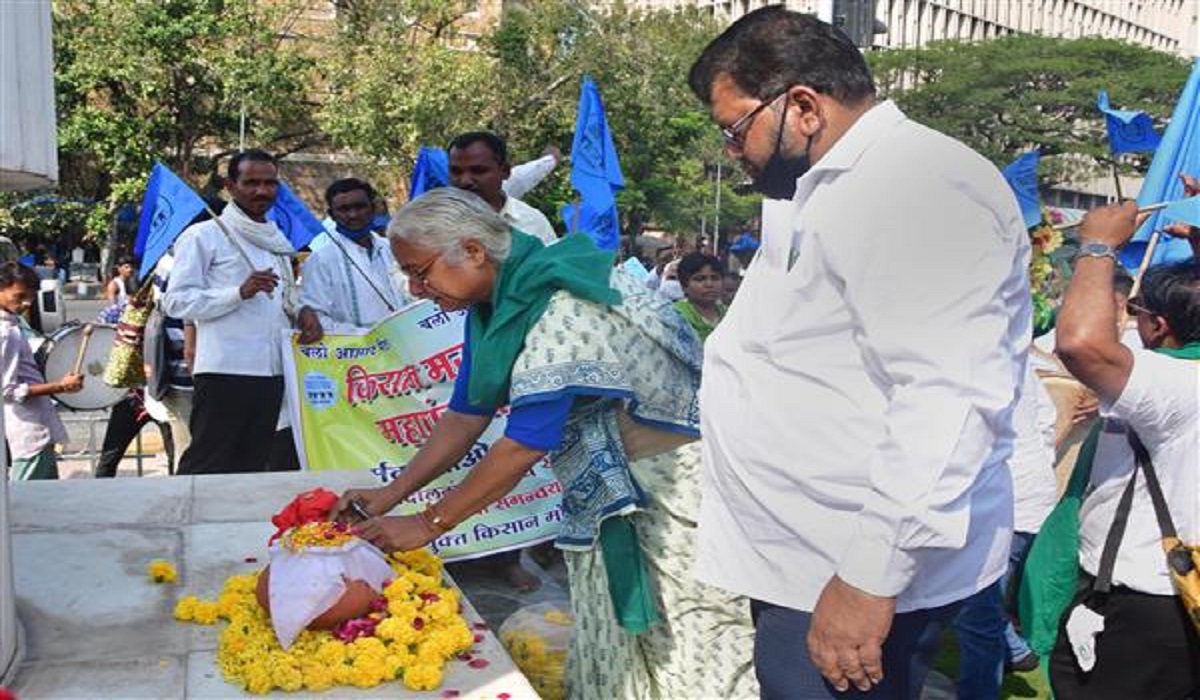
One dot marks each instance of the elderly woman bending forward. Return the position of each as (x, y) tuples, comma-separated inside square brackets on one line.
[(600, 375)]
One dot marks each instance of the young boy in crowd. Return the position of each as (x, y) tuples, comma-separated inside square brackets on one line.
[(702, 278), (31, 423)]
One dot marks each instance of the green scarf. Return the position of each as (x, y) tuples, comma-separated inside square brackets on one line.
[(1191, 351), (526, 280)]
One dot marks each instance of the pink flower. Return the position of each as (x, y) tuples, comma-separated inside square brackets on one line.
[(465, 657), (380, 604), (478, 638), (478, 663)]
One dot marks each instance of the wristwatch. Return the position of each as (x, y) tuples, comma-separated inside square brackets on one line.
[(1095, 249)]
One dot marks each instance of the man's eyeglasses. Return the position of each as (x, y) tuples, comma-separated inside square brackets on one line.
[(1134, 306), (735, 132)]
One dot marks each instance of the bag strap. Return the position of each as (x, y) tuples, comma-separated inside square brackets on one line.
[(1165, 524), (1108, 558)]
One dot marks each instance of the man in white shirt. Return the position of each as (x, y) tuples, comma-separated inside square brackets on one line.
[(353, 283), (479, 164), (1147, 648), (857, 399), (233, 278)]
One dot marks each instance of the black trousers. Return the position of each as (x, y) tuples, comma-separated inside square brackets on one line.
[(233, 424), (1148, 651), (125, 420)]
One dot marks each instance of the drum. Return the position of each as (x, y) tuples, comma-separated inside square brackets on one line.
[(58, 354)]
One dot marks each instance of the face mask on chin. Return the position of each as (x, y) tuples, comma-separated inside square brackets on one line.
[(356, 235), (777, 179)]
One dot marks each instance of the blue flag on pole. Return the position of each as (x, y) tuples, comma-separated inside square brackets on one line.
[(1178, 153), (1022, 177), (595, 173), (1129, 131), (168, 206), (1184, 211), (292, 217), (431, 171)]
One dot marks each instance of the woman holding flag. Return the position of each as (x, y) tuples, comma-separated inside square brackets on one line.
[(601, 376)]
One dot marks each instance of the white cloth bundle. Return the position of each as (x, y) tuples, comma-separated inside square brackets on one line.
[(305, 584)]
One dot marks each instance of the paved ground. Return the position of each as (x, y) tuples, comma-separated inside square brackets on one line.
[(490, 595)]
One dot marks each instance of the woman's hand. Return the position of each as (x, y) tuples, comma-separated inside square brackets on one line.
[(376, 502), (396, 533)]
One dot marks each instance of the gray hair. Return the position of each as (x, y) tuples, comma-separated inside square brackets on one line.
[(444, 218)]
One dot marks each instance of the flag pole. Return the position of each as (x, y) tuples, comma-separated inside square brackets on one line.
[(1137, 278), (1144, 210), (1117, 179)]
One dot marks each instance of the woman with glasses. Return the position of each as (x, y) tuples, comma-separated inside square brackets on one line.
[(601, 375)]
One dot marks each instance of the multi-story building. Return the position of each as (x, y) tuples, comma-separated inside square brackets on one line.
[(1163, 25)]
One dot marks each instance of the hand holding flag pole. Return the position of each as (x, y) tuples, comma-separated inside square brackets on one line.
[(1143, 210)]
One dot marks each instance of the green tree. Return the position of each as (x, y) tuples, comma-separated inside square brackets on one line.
[(398, 79), (138, 82), (1021, 91)]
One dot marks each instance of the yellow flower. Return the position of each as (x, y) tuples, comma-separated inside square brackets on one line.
[(422, 677), (161, 571), (205, 613), (332, 653), (557, 617), (317, 676), (185, 609), (320, 534)]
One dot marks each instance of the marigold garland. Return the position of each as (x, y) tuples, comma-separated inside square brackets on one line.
[(413, 630)]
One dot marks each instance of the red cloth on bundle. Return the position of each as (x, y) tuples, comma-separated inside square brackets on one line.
[(308, 507)]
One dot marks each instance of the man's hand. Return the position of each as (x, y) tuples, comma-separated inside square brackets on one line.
[(70, 384), (396, 533), (310, 326), (1112, 225), (259, 281), (845, 639)]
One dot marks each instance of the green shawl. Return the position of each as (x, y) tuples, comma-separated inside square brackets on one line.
[(526, 280)]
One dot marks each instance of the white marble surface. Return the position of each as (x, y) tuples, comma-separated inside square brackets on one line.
[(97, 628)]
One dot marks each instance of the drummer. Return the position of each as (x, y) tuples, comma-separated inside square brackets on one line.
[(31, 424)]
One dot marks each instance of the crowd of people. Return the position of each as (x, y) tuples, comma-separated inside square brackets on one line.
[(786, 480)]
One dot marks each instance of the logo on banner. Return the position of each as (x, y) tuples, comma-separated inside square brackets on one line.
[(320, 391)]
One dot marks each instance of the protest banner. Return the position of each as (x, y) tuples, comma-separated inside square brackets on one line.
[(370, 401)]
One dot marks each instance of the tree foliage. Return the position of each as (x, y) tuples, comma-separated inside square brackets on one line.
[(1022, 91), (138, 82), (399, 79)]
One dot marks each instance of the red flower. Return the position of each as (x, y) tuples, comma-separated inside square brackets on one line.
[(308, 507), (478, 638), (418, 624), (478, 663)]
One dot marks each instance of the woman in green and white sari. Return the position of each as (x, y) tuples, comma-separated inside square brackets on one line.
[(601, 375)]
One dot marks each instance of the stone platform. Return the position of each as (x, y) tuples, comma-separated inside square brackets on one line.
[(97, 628)]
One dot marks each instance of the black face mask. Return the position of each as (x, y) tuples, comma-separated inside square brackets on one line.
[(777, 179)]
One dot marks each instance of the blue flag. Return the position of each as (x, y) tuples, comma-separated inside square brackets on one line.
[(1022, 177), (1178, 153), (292, 217), (595, 173), (1129, 131), (167, 208), (1184, 211), (431, 171)]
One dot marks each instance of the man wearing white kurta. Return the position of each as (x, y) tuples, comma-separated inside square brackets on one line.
[(856, 400), (479, 164), (234, 279), (353, 283)]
